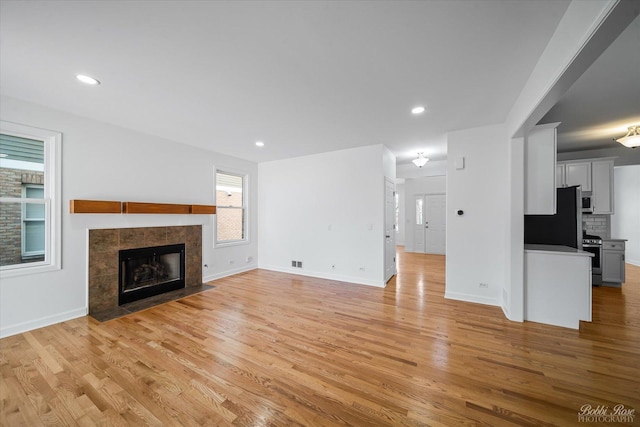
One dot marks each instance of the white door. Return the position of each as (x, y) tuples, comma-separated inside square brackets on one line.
[(389, 230), (435, 223), (430, 224)]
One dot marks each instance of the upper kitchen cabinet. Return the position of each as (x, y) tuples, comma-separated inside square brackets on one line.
[(570, 174), (602, 186), (594, 176), (540, 168)]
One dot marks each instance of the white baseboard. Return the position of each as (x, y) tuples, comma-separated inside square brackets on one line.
[(228, 273), (319, 275), (6, 331), (473, 298), (633, 262)]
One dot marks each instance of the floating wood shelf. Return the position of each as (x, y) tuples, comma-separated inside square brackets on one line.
[(203, 209), (94, 206), (154, 208), (103, 206)]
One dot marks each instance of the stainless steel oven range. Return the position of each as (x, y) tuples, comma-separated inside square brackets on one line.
[(593, 244)]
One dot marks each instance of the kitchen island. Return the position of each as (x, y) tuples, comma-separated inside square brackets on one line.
[(557, 285)]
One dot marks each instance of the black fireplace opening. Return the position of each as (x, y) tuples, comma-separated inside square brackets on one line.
[(145, 272)]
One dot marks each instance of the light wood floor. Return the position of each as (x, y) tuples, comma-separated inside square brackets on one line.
[(266, 348)]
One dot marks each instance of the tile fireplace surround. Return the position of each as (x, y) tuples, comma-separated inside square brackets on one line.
[(104, 245)]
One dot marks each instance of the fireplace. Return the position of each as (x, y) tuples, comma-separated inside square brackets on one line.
[(145, 272)]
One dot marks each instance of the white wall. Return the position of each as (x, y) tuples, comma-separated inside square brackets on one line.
[(418, 186), (476, 248), (325, 209), (625, 223), (104, 162)]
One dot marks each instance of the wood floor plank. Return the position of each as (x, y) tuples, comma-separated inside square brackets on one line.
[(268, 348)]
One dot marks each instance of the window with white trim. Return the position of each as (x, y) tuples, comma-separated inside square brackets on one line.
[(231, 212), (29, 199)]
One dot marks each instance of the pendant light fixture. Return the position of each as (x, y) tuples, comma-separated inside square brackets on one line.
[(420, 161), (632, 138)]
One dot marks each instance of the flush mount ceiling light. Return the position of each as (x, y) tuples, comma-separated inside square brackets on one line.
[(417, 110), (632, 138), (87, 79), (420, 161), (259, 144)]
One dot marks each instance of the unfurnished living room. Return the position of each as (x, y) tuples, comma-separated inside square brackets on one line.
[(319, 213)]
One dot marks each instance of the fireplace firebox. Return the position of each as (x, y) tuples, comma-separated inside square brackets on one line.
[(145, 272)]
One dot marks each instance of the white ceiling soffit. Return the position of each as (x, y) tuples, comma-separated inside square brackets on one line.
[(304, 77), (605, 100)]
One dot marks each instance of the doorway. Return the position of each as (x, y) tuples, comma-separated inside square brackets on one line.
[(430, 224), (389, 229)]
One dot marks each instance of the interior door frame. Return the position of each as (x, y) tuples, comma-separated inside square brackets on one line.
[(389, 236), (445, 223), (424, 224)]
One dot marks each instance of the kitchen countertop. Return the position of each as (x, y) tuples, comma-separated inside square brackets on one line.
[(557, 249), (614, 240)]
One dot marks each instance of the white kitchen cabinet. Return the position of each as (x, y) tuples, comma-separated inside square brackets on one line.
[(613, 270), (602, 186), (569, 174), (539, 174), (578, 174), (560, 175)]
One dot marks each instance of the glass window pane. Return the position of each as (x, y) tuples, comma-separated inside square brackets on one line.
[(418, 211), (229, 189), (22, 163), (230, 224), (20, 241)]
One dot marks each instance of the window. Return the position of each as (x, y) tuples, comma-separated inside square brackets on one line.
[(231, 213), (29, 199)]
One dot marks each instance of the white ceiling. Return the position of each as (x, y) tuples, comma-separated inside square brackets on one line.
[(605, 100), (304, 77)]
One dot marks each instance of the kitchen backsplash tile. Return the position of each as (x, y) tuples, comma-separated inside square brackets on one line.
[(597, 225)]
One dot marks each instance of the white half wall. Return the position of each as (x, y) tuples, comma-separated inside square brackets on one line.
[(327, 211), (625, 223), (477, 239), (105, 162)]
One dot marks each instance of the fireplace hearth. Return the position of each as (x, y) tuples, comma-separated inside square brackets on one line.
[(104, 266), (145, 272)]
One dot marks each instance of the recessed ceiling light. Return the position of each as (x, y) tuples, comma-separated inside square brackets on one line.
[(86, 79), (259, 144), (417, 110)]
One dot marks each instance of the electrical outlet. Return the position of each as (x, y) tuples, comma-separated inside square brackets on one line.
[(231, 262), (248, 259), (361, 268), (333, 266), (484, 285)]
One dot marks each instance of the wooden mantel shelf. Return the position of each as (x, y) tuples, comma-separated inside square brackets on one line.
[(104, 206)]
